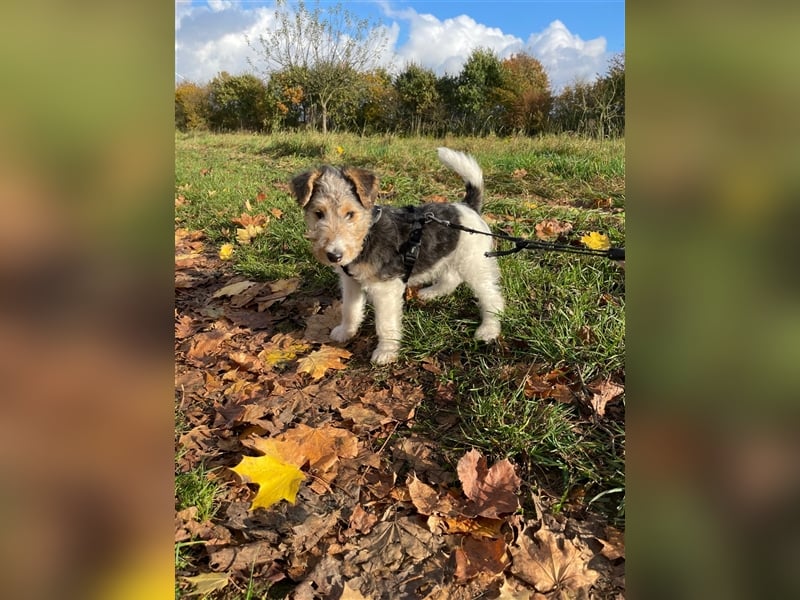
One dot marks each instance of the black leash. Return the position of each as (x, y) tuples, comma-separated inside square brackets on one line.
[(525, 244)]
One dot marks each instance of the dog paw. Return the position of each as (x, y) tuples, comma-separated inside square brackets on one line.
[(341, 334), (428, 293), (384, 355), (487, 332)]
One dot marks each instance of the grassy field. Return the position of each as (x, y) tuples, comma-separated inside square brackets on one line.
[(564, 321)]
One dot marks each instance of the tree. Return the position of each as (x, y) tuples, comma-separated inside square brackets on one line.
[(596, 109), (328, 48), (525, 94), (191, 106), (238, 102), (477, 91), (378, 102), (417, 95), (609, 99)]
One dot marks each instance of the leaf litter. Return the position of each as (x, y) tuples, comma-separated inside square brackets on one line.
[(325, 491)]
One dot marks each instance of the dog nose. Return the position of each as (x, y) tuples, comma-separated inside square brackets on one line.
[(334, 256)]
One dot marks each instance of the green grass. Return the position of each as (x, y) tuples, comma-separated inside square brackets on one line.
[(563, 310)]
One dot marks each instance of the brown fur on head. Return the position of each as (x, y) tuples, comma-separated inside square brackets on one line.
[(337, 205), (363, 182)]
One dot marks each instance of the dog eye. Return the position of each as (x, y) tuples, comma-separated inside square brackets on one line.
[(319, 214), (349, 215)]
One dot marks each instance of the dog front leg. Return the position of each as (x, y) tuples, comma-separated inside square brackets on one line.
[(387, 298), (352, 309)]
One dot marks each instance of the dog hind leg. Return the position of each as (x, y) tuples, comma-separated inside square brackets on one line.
[(446, 284)]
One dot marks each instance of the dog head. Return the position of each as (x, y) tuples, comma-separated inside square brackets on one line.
[(338, 210)]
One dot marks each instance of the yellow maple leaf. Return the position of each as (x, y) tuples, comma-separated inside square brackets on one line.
[(596, 241), (276, 479), (318, 363), (226, 251), (282, 348)]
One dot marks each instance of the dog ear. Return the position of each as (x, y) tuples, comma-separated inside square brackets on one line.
[(364, 182), (303, 184)]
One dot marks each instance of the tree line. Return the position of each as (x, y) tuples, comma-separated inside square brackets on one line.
[(318, 72), (488, 96)]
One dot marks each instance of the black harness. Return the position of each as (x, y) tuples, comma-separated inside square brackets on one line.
[(408, 249)]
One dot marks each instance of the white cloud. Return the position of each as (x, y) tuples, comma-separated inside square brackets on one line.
[(212, 38), (443, 46), (566, 57)]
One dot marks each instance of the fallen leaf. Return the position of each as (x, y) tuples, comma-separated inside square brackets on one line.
[(276, 479), (282, 348), (245, 235), (318, 326), (247, 220), (494, 491), (226, 251), (350, 593), (519, 173), (206, 583), (604, 392), (276, 212), (479, 556), (614, 545), (320, 362), (260, 197), (550, 562), (596, 241), (233, 289), (550, 230), (480, 527)]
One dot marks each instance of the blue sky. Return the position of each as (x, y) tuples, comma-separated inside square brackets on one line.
[(573, 39)]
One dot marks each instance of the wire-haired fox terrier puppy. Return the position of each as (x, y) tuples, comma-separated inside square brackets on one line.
[(378, 250)]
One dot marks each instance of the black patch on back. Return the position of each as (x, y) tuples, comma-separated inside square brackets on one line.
[(384, 240)]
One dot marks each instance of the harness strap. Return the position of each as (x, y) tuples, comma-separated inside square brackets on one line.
[(410, 248)]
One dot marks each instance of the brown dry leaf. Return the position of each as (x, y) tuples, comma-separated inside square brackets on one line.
[(323, 447), (604, 392), (362, 521), (276, 212), (614, 544), (351, 593), (363, 418), (514, 590), (313, 528), (548, 562), (206, 583), (246, 362), (244, 557), (424, 497), (480, 527), (318, 326), (480, 556), (392, 542), (419, 454), (519, 173), (233, 289), (550, 230), (435, 198), (207, 344), (247, 220), (320, 362), (493, 491), (185, 326)]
